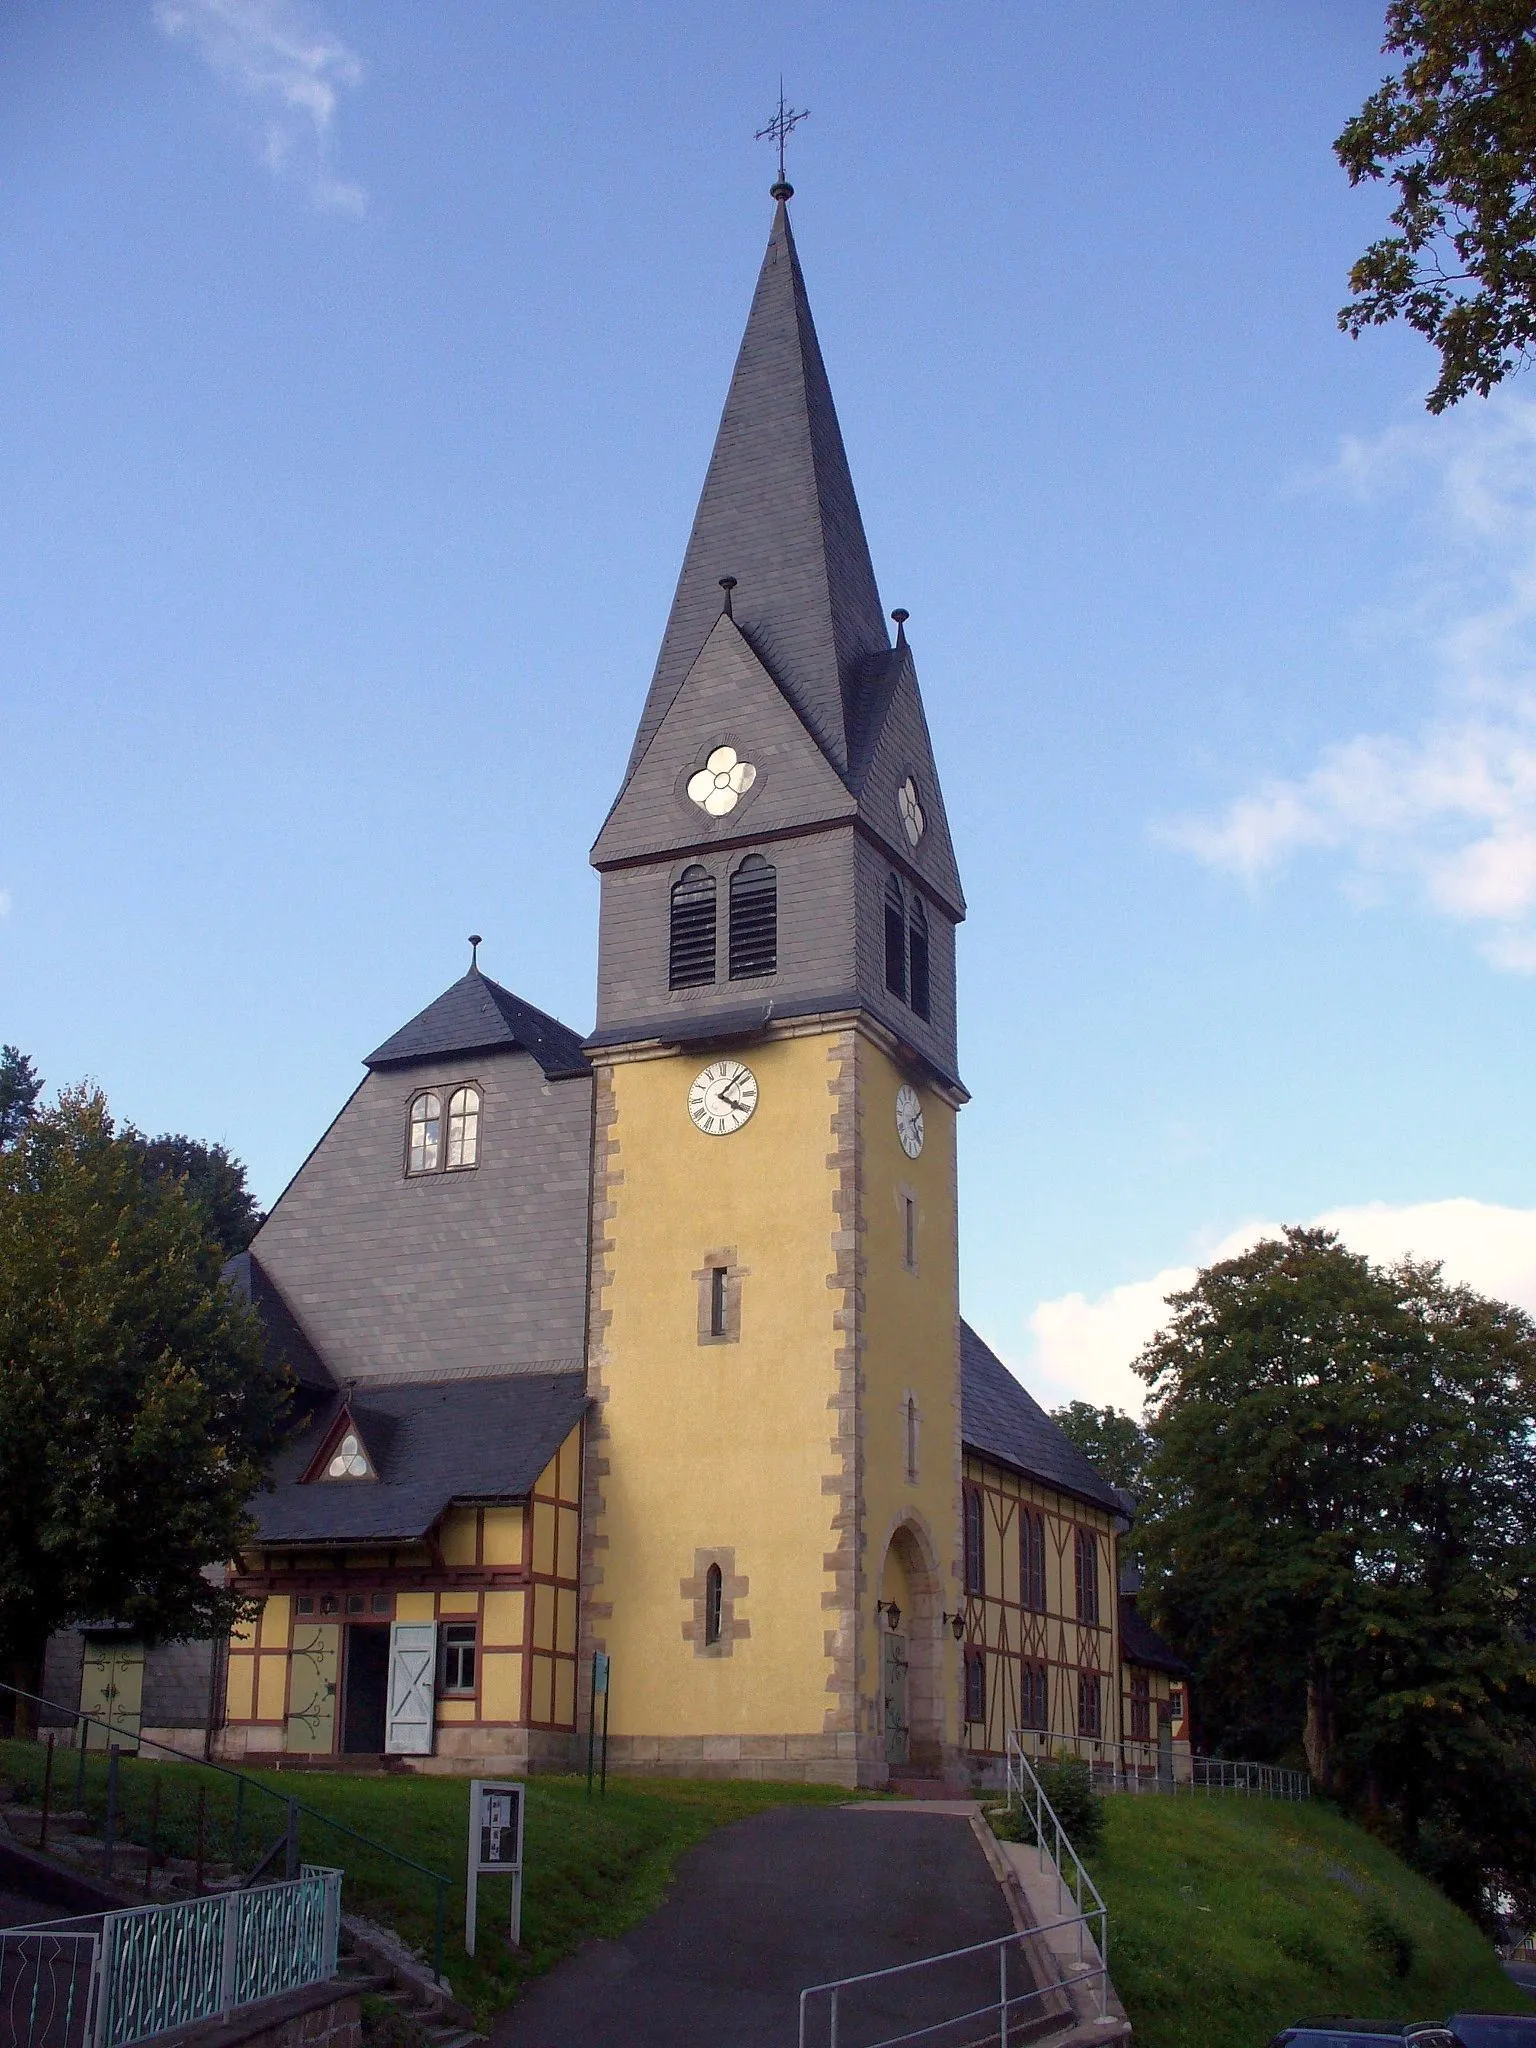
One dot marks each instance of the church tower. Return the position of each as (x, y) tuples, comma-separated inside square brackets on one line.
[(772, 1513)]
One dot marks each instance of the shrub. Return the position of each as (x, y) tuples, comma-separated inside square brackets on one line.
[(1068, 1784)]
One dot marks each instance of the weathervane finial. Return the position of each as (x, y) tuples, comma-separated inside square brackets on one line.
[(779, 130)]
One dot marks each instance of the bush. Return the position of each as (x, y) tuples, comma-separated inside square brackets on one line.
[(1068, 1784)]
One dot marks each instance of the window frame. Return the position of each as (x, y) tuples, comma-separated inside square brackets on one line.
[(975, 1541), (1035, 1695), (1090, 1689), (471, 1117), (453, 1654), (422, 1096), (1032, 1559), (714, 1605), (444, 1094), (1086, 1574), (1141, 1705)]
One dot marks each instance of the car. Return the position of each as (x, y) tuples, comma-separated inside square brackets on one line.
[(1342, 2033), (1493, 2029)]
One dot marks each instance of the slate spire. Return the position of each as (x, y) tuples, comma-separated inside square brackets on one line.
[(778, 513)]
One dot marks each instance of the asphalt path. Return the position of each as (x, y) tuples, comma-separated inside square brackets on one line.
[(789, 1898)]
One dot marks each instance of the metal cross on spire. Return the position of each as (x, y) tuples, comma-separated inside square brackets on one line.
[(779, 130)]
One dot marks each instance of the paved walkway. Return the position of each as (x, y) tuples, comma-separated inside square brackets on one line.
[(788, 1898)]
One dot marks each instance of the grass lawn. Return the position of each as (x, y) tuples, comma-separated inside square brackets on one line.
[(592, 1867), (1230, 1918)]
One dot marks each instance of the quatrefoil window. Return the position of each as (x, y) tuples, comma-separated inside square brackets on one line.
[(910, 811), (722, 782)]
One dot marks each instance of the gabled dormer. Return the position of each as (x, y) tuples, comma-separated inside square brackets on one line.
[(781, 780)]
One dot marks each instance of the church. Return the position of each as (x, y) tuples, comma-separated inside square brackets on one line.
[(641, 1351)]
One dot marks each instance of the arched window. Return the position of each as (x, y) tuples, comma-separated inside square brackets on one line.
[(464, 1127), (1087, 1575), (975, 1567), (1032, 1560), (714, 1601), (754, 919), (691, 962), (918, 951), (895, 939), (426, 1133)]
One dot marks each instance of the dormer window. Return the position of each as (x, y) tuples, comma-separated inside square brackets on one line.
[(425, 1149), (349, 1460)]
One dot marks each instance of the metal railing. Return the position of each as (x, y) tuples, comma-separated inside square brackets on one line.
[(154, 1968), (843, 1994), (284, 1849), (1138, 1766), (1052, 1839), (47, 1982)]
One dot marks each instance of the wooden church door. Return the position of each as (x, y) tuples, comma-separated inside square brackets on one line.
[(897, 1722)]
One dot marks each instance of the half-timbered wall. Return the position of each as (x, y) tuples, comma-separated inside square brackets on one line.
[(1027, 1666), (512, 1571)]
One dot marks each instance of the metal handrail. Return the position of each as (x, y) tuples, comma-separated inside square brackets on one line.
[(1137, 1765), (293, 1806), (1005, 2000), (1032, 1793)]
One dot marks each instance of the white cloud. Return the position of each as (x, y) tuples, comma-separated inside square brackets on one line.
[(1451, 807), (294, 72), (1083, 1347)]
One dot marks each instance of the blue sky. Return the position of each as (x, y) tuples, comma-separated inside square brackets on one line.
[(362, 363)]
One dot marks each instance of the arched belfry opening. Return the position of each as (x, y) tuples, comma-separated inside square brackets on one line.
[(911, 1655)]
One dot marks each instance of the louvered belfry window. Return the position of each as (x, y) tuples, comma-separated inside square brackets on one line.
[(691, 961), (918, 958), (895, 939), (754, 919)]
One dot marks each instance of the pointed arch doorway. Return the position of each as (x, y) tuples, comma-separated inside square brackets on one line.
[(911, 1654)]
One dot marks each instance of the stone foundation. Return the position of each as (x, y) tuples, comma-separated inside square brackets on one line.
[(321, 2016), (461, 1752)]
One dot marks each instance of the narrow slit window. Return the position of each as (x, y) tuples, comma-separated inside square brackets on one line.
[(975, 1686), (1087, 1559), (1032, 1559), (909, 1417), (464, 1127), (426, 1133), (691, 960), (754, 919), (909, 1230), (1088, 1703), (917, 940), (975, 1580), (714, 1602), (719, 1280), (895, 939)]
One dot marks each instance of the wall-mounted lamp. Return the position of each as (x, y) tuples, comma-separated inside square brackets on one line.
[(955, 1624), (891, 1612)]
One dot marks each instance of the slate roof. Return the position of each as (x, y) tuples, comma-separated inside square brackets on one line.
[(431, 1443), (778, 513), (1140, 1642), (479, 1015), (1000, 1420), (285, 1341)]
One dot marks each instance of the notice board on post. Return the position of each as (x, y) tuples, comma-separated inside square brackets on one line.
[(495, 1848)]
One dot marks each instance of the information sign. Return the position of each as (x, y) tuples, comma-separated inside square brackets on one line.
[(495, 1848)]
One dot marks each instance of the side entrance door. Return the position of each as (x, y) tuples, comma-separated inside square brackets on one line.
[(412, 1688), (112, 1689), (898, 1734), (312, 1688)]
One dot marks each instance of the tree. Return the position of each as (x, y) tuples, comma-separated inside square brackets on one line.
[(214, 1181), (1114, 1443), (20, 1086), (1342, 1539), (137, 1411), (1455, 131)]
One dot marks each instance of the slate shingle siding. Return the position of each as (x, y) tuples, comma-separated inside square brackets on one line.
[(473, 1272), (177, 1679)]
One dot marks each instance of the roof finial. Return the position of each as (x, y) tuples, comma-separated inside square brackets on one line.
[(475, 943), (728, 584), (779, 129), (901, 619)]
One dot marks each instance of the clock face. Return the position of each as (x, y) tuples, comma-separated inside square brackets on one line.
[(909, 1121), (722, 1098)]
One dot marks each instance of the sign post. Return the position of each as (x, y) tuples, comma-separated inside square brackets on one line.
[(599, 1685), (495, 1849)]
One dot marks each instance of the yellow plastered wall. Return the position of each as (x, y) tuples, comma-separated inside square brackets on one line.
[(556, 1546), (719, 1445), (911, 1327)]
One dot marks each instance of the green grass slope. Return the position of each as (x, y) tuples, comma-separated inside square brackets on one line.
[(1230, 1918)]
